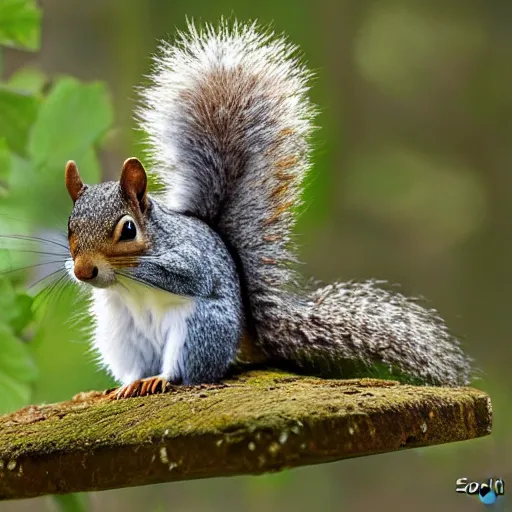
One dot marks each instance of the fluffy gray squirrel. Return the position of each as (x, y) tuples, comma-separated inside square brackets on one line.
[(189, 281)]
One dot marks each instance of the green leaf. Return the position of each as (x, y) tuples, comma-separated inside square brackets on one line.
[(17, 372), (32, 190), (90, 169), (18, 112), (20, 22), (5, 167), (23, 317), (30, 80), (13, 311), (73, 117), (7, 306), (17, 204)]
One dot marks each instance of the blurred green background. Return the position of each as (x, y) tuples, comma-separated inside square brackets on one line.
[(412, 183)]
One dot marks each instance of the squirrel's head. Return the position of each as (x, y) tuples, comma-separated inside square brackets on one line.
[(107, 226)]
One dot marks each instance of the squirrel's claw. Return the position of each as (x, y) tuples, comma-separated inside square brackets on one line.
[(126, 391), (151, 385), (142, 387)]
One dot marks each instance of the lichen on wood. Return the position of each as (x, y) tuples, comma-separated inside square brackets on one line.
[(254, 423)]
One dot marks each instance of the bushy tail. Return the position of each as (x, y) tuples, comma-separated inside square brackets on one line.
[(228, 121), (362, 322)]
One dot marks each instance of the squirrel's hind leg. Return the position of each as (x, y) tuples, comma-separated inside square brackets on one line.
[(213, 336)]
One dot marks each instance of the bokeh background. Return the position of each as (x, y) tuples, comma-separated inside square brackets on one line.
[(412, 183)]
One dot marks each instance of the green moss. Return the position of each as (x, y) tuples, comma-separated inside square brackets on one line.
[(256, 422)]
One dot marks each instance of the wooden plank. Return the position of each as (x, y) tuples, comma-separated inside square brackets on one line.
[(257, 422)]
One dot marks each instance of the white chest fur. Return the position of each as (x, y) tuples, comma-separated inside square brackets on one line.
[(140, 331)]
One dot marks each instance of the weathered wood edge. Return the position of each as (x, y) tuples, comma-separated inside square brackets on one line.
[(258, 422)]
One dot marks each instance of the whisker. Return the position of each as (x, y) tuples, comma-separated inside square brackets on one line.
[(31, 266), (28, 251), (134, 256), (123, 264), (46, 293), (47, 297), (26, 221), (36, 239), (61, 286), (54, 283), (127, 263), (46, 277), (124, 260), (79, 312), (137, 280)]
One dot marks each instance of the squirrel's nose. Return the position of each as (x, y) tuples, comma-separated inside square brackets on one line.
[(85, 270)]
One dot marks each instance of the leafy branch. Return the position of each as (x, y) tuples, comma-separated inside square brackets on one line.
[(45, 122)]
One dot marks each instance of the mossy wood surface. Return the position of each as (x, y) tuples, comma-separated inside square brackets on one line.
[(258, 422)]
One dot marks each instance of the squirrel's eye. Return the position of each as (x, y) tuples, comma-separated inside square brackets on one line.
[(129, 231)]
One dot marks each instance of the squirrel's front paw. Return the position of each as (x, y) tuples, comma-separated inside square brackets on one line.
[(142, 387)]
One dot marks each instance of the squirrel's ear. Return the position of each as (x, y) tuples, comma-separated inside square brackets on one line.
[(73, 181), (134, 181)]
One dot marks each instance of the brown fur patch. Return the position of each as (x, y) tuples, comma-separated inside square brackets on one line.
[(271, 238), (286, 132), (278, 212), (285, 176), (279, 191), (287, 162), (73, 244)]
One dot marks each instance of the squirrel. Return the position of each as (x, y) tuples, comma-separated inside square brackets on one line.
[(191, 280)]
